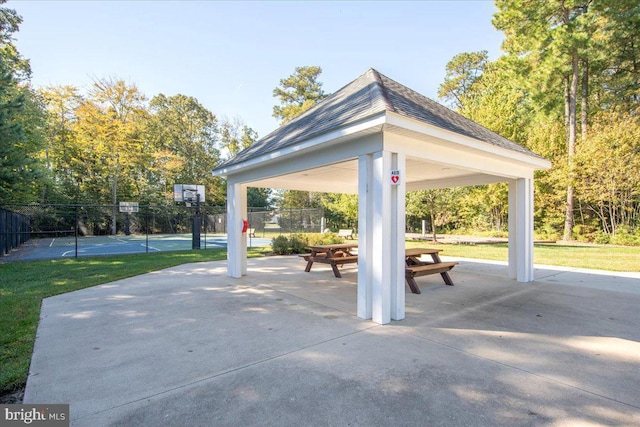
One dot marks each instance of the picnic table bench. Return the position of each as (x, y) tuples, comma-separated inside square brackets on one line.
[(334, 255), (416, 267)]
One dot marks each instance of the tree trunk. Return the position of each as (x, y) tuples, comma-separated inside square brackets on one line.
[(566, 106), (571, 151), (432, 212), (584, 110)]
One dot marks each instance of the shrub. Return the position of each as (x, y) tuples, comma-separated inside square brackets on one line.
[(296, 244), (602, 238), (624, 236), (299, 243), (547, 232), (584, 233), (323, 238), (280, 245)]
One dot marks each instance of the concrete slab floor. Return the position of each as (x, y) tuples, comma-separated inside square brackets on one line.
[(191, 346)]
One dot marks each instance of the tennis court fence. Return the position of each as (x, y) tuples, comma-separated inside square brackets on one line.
[(15, 229), (21, 223)]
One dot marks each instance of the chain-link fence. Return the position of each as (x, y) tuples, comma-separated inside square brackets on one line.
[(14, 230), (286, 221), (57, 220), (57, 230)]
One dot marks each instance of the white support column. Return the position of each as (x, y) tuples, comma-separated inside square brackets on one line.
[(512, 229), (521, 229), (398, 214), (381, 290), (365, 234), (381, 279), (236, 240)]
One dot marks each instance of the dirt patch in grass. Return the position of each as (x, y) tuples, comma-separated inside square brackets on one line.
[(12, 398)]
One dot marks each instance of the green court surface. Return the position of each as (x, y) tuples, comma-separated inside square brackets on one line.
[(69, 246)]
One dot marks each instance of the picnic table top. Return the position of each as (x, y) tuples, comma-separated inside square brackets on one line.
[(420, 251), (408, 252), (333, 247)]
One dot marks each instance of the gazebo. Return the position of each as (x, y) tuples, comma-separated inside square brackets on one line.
[(378, 139)]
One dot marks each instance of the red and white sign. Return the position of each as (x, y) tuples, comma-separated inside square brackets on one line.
[(395, 177)]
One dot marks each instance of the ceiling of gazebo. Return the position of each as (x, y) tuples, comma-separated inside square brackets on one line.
[(343, 177)]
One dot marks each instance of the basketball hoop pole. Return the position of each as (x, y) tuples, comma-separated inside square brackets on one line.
[(197, 225)]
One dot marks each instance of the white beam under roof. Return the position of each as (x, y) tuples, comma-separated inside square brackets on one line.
[(458, 181)]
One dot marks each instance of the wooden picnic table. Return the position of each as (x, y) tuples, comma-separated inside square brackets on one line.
[(342, 253), (334, 255), (416, 267)]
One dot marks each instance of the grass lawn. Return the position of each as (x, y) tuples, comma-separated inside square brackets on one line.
[(23, 285), (600, 257)]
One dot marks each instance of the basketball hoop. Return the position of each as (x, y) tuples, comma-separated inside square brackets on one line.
[(191, 194), (188, 193)]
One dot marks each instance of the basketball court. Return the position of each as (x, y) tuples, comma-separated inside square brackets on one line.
[(65, 247)]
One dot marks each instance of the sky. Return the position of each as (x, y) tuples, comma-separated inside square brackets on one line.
[(231, 55)]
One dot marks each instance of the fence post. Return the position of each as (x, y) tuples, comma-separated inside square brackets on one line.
[(250, 220), (146, 226), (76, 229), (3, 232), (14, 230), (206, 222)]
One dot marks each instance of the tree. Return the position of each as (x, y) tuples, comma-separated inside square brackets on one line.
[(189, 135), (108, 152), (112, 145), (552, 37), (462, 72), (295, 199), (619, 60), (235, 135), (341, 210), (11, 60), (581, 54), (61, 104), (608, 180), (21, 119), (298, 92), (437, 205), (259, 197), (569, 78)]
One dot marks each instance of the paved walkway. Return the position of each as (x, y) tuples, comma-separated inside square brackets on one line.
[(190, 346)]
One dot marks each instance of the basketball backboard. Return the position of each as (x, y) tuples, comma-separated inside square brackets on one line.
[(129, 207), (188, 193)]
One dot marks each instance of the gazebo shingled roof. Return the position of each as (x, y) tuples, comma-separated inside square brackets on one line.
[(370, 94)]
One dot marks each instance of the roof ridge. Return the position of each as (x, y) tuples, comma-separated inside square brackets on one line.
[(383, 91), (318, 104)]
